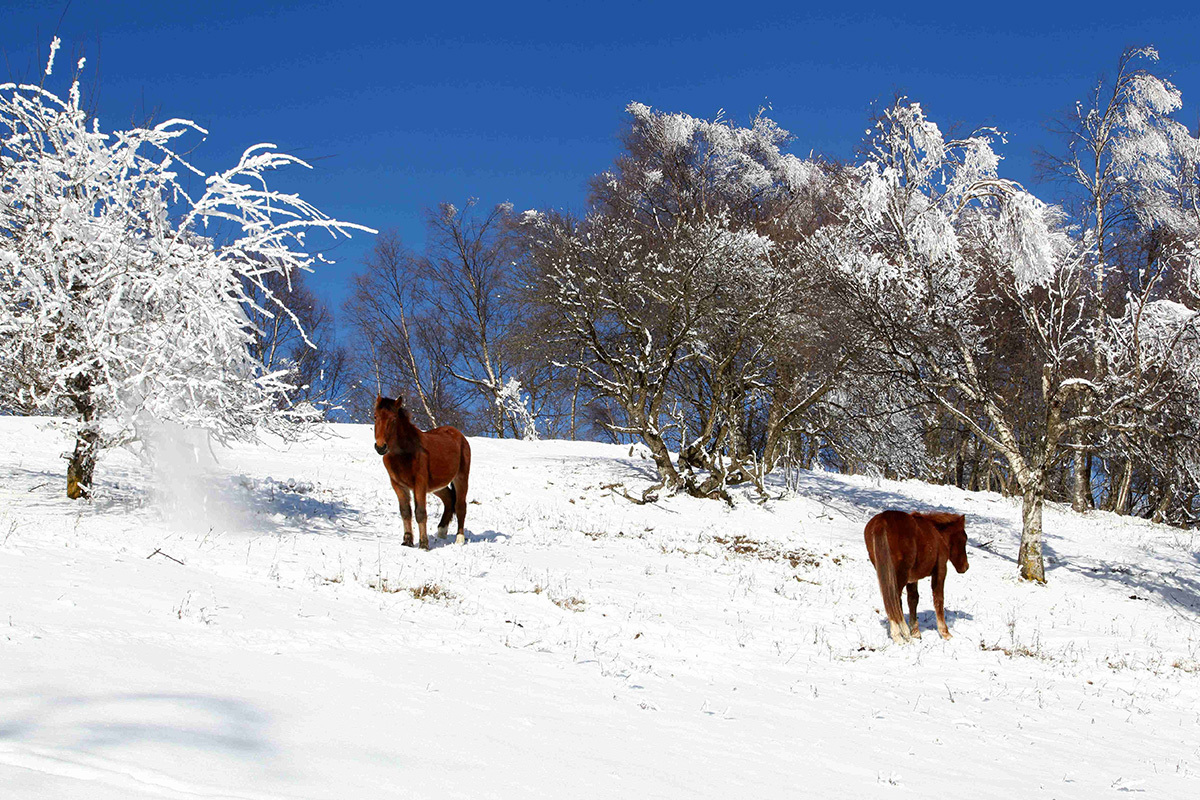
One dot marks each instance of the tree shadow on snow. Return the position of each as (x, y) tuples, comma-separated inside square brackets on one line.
[(629, 469), (294, 500), (859, 503), (1182, 592), (199, 722), (48, 489)]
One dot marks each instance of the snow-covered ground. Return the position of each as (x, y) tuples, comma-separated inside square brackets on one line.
[(577, 646)]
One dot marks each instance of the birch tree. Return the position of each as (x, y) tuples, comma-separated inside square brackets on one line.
[(1116, 143), (934, 247)]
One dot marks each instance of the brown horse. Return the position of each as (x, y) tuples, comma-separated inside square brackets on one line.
[(907, 547), (420, 462)]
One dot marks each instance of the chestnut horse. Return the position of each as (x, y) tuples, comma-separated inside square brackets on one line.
[(419, 462), (907, 547)]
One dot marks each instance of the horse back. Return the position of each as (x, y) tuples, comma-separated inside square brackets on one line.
[(912, 543), (449, 453)]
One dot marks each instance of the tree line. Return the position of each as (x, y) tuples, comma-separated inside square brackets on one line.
[(737, 309), (733, 308)]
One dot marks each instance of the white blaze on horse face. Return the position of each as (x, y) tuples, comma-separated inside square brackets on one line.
[(381, 426)]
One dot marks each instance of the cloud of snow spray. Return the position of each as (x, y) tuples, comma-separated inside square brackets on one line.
[(186, 488)]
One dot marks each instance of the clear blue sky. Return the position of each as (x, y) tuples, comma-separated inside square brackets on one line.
[(404, 105)]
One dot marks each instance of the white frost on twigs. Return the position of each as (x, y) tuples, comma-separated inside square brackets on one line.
[(113, 306)]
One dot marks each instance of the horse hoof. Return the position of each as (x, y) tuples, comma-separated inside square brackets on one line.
[(443, 532), (424, 545), (460, 539), (407, 543), (947, 635)]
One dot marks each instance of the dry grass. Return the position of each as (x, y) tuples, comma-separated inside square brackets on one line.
[(571, 603), (431, 591), (382, 585), (743, 545), (426, 591), (1014, 650)]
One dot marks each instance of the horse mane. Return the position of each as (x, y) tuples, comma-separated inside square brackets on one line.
[(407, 436), (942, 519)]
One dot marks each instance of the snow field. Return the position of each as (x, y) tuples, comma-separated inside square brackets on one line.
[(578, 645)]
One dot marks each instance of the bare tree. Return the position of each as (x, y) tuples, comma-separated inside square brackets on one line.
[(301, 344), (465, 283), (396, 340)]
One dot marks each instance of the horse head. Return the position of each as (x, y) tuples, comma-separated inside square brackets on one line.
[(952, 528), (956, 541), (385, 423)]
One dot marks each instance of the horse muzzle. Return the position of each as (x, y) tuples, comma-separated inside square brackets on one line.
[(381, 449)]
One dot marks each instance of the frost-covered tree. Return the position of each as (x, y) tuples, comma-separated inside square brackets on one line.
[(515, 406), (123, 289), (1118, 149), (1149, 343), (946, 269), (671, 296)]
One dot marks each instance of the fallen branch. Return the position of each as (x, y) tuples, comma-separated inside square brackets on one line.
[(158, 552)]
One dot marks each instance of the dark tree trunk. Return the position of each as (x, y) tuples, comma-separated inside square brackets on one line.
[(1081, 495), (87, 441), (82, 465)]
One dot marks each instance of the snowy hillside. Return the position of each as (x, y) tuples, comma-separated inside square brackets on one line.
[(577, 646)]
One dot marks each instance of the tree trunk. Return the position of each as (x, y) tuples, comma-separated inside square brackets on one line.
[(1167, 493), (1029, 560), (574, 406), (1123, 502), (1081, 495), (960, 443), (82, 465), (667, 474), (87, 439)]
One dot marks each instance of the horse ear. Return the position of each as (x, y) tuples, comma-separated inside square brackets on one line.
[(383, 403)]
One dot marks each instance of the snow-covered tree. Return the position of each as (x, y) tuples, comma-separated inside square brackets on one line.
[(515, 406), (1116, 166), (1149, 343), (670, 296), (947, 270), (124, 290)]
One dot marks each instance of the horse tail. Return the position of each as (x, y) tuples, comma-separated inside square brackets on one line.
[(885, 570), (453, 504)]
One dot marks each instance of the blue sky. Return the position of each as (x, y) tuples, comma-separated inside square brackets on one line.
[(401, 106)]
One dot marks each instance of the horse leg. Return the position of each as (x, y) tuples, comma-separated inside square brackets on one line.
[(914, 629), (447, 497), (419, 513), (460, 506), (939, 583), (402, 495)]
